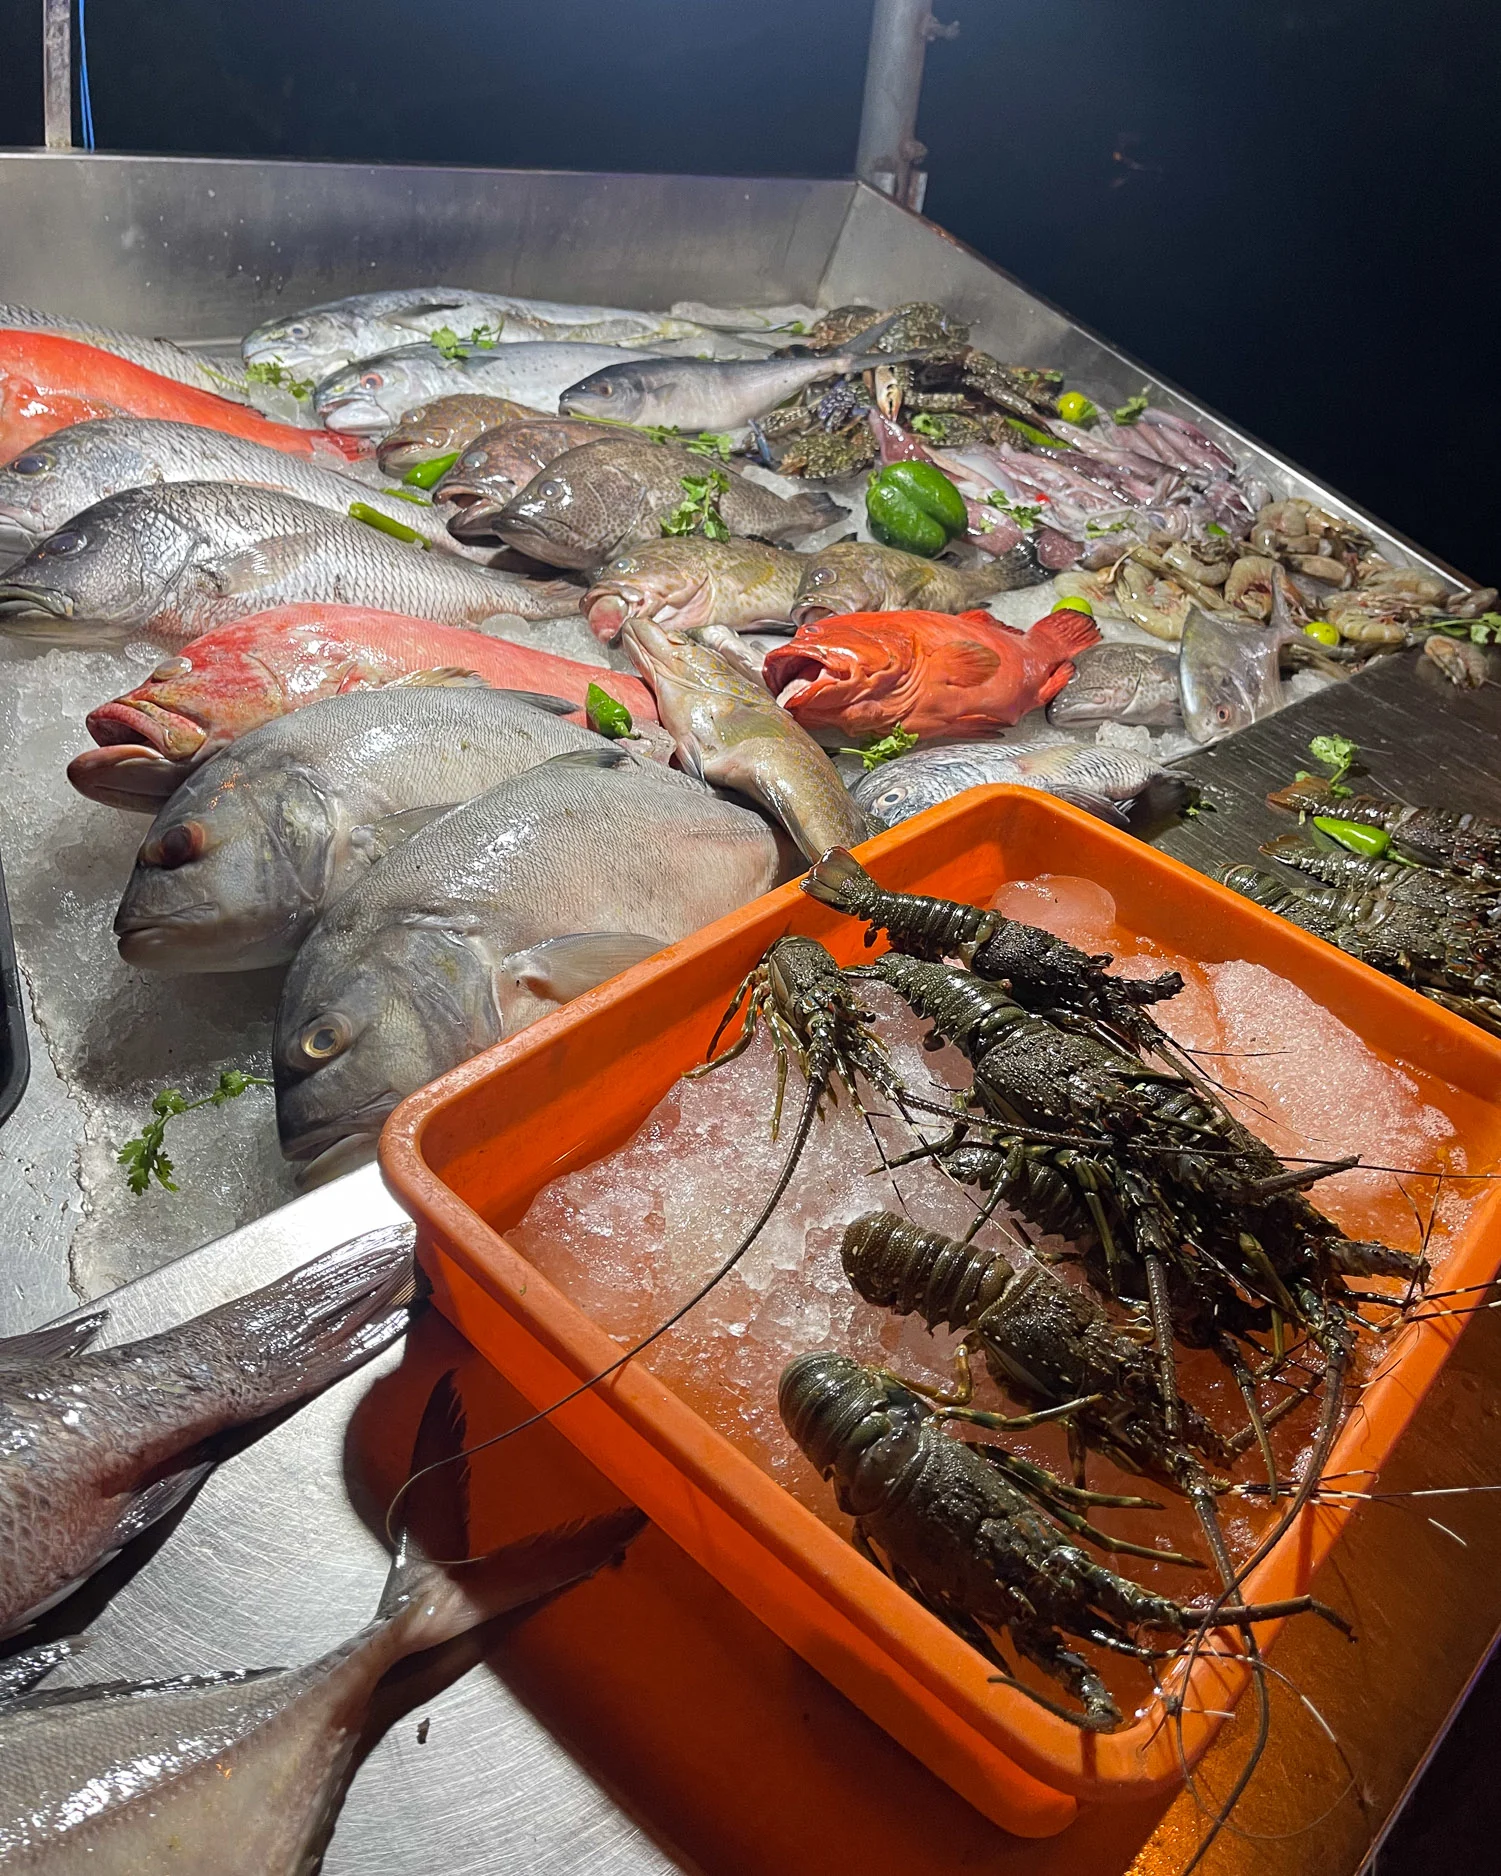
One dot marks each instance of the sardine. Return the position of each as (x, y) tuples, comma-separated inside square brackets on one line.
[(1120, 683), (730, 731), (366, 398), (1227, 674), (499, 464), (159, 355), (242, 1773), (95, 1447), (691, 583), (596, 500), (493, 916), (859, 576), (445, 427), (183, 558)]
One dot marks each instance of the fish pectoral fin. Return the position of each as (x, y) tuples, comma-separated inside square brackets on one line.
[(439, 677), (414, 315), (21, 1672), (262, 565), (57, 1342), (1054, 682), (145, 1507), (1097, 805), (544, 700), (375, 839), (610, 756), (967, 662), (559, 969)]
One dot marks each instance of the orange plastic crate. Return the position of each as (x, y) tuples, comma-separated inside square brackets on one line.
[(468, 1154)]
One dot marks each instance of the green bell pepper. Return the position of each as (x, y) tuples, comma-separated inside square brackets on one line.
[(914, 506)]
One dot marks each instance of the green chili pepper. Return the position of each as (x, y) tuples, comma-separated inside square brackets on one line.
[(605, 714), (425, 474), (415, 496), (373, 518), (1029, 433), (913, 505), (1370, 841)]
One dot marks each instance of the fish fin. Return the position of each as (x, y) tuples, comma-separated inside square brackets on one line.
[(966, 662), (437, 1503), (1065, 632), (375, 839), (611, 756), (690, 756), (560, 969), (262, 565), (1097, 805), (411, 314), (439, 677), (99, 1691), (21, 1672), (154, 1501), (544, 700), (981, 616), (57, 1342), (808, 513), (1054, 682)]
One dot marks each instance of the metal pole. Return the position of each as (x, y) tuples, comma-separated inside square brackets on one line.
[(57, 74), (889, 156)]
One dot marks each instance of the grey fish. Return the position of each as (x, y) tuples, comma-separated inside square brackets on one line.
[(493, 916), (860, 576), (159, 355), (1227, 674), (1105, 782), (177, 560), (688, 582), (1117, 682), (255, 844), (243, 1772), (602, 497), (95, 1447), (57, 478), (319, 339), (370, 395), (498, 465), (731, 731)]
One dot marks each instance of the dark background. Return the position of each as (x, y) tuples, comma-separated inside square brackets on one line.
[(1290, 209)]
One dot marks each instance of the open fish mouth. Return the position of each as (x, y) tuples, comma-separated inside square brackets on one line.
[(607, 608), (127, 775), (168, 732), (812, 612), (357, 416), (792, 673), (476, 517)]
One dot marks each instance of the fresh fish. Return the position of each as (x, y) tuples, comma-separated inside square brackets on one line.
[(493, 916), (445, 427), (1227, 674), (859, 576), (1120, 683), (244, 858), (51, 481), (689, 583), (730, 732), (231, 681), (499, 465), (159, 355), (367, 397), (860, 674), (97, 1446), (242, 1773), (47, 383), (180, 559), (1108, 783), (598, 499), (320, 339)]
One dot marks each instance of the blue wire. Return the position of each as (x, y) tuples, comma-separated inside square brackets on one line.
[(85, 101)]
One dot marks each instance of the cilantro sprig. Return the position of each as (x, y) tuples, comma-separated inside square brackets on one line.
[(699, 512), (1337, 754), (273, 371), (452, 347), (897, 743), (1025, 514), (145, 1156), (1132, 408)]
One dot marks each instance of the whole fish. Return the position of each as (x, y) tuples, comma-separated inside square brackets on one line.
[(598, 499), (1114, 784), (730, 732), (493, 916), (859, 576), (159, 355), (51, 481), (688, 583), (97, 1446), (231, 681), (446, 427), (248, 853), (499, 464), (243, 1773), (320, 339), (860, 674), (179, 559), (48, 382), (367, 397), (1120, 683), (1227, 674)]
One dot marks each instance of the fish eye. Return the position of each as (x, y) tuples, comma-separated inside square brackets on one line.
[(372, 381), (325, 1037), (175, 847), (170, 668), (297, 330), (820, 576), (33, 463), (474, 460), (550, 491), (68, 541), (1222, 713), (891, 798)]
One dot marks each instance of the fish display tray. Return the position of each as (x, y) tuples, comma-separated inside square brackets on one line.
[(468, 1154)]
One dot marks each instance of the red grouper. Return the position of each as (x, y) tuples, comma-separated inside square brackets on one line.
[(855, 676)]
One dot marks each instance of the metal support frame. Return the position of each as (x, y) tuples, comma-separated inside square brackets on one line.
[(57, 74), (889, 156)]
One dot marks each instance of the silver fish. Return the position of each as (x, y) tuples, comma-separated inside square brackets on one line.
[(1103, 781), (1227, 674), (1116, 682), (95, 1447), (370, 395), (320, 339), (175, 561), (159, 355), (493, 916), (250, 849), (57, 478), (243, 1773)]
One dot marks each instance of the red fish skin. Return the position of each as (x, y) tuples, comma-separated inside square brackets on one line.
[(234, 679), (937, 674), (48, 382)]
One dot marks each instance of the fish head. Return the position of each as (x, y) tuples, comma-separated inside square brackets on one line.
[(39, 490), (233, 870), (370, 1013), (653, 581), (617, 393), (670, 659), (102, 573), (841, 579), (308, 345), (1227, 674), (369, 396), (829, 668), (573, 512), (439, 427), (487, 475), (187, 710), (890, 794)]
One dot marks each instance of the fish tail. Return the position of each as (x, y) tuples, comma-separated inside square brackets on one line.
[(810, 512), (1064, 632)]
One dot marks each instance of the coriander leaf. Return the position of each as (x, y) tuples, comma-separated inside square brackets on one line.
[(1025, 515), (887, 749), (1094, 530), (699, 513), (715, 443), (1132, 408), (1335, 752), (144, 1157), (272, 371)]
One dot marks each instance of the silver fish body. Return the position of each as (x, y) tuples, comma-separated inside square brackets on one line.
[(250, 850), (1101, 780), (177, 560), (1119, 682), (95, 1447), (1227, 674), (702, 393), (159, 355), (370, 395), (492, 916)]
